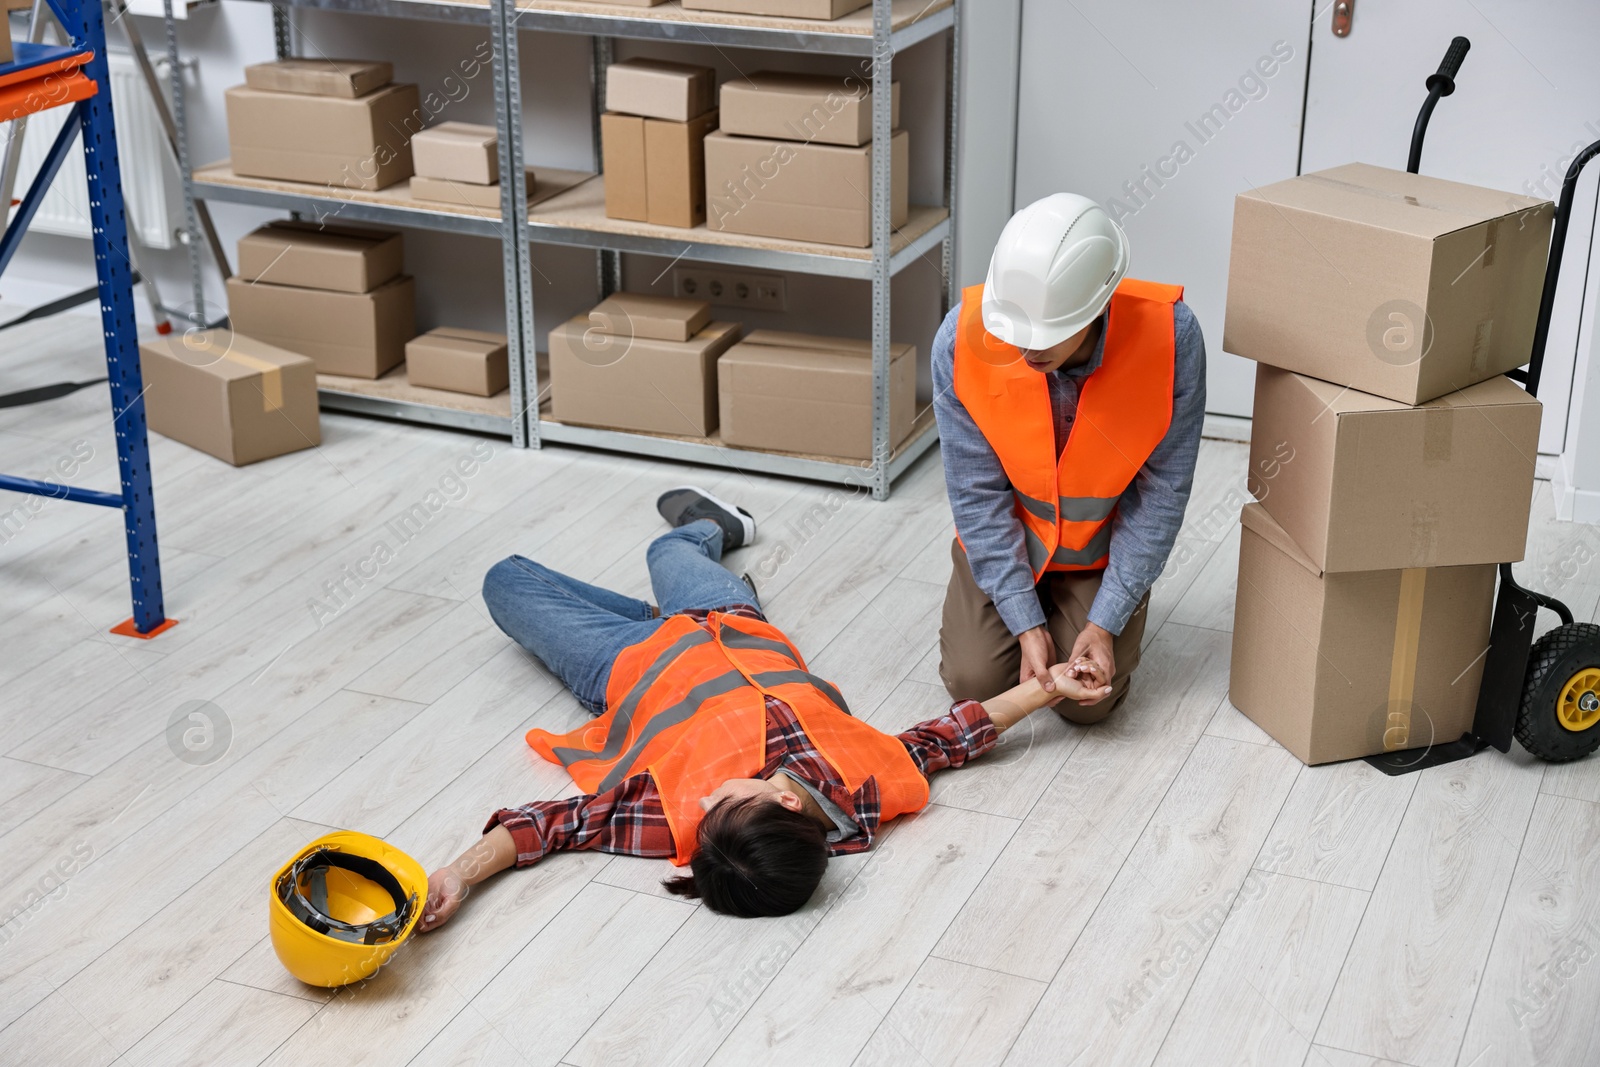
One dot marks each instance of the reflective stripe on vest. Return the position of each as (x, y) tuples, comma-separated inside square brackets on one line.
[(1066, 500), (1073, 508), (688, 705)]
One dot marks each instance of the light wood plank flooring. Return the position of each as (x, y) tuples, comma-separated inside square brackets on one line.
[(1169, 887)]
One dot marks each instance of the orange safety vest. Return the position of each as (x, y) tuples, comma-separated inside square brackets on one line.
[(1066, 503), (687, 704)]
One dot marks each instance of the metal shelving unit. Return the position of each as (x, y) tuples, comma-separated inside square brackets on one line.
[(386, 397), (575, 217), (874, 34)]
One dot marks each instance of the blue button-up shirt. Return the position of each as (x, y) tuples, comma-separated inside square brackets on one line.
[(1149, 512)]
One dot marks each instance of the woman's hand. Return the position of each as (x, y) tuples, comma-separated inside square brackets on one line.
[(446, 890), (447, 887), (1074, 683)]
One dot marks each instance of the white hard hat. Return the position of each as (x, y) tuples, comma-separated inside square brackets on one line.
[(1053, 271)]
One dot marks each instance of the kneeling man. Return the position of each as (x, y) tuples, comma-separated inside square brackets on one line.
[(1070, 401)]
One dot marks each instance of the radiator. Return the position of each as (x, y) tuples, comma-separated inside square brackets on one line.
[(150, 184)]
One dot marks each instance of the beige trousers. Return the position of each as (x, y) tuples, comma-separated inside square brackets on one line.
[(979, 657)]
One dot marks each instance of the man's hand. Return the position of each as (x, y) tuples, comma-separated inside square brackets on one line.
[(1092, 662), (1017, 703), (1038, 653)]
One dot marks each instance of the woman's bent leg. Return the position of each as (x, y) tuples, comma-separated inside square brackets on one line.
[(575, 628)]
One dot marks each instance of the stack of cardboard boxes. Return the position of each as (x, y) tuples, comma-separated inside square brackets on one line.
[(1391, 462), (327, 121), (652, 135), (793, 159), (639, 362), (336, 294), (459, 163), (661, 365)]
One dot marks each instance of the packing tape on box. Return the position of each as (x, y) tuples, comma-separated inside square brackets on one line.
[(271, 373), (1438, 433), (1403, 660), (271, 378)]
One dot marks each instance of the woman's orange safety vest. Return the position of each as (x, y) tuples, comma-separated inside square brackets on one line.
[(688, 705), (1066, 502)]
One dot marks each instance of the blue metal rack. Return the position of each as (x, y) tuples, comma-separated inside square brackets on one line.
[(76, 75)]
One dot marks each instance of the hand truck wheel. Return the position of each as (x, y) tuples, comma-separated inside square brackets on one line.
[(1559, 719)]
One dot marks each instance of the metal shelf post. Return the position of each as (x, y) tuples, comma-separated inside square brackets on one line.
[(882, 218), (62, 73), (514, 261)]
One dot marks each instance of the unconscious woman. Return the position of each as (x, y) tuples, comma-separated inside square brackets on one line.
[(713, 745)]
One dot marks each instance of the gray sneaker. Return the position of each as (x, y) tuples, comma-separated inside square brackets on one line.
[(687, 503)]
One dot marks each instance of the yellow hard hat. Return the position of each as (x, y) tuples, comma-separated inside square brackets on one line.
[(342, 906)]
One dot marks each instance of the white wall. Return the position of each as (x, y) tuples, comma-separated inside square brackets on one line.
[(1110, 89)]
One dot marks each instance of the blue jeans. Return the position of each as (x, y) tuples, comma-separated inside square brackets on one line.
[(577, 629)]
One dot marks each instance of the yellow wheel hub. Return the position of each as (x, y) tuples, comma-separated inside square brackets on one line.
[(1579, 705)]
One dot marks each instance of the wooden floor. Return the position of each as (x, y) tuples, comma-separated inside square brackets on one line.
[(1169, 887)]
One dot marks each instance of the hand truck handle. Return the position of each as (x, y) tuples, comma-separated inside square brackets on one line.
[(1445, 78)]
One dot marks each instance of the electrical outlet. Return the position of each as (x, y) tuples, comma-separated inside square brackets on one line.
[(759, 292)]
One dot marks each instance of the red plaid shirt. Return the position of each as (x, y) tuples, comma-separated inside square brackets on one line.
[(630, 818)]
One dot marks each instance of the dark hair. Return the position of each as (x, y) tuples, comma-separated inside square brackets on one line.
[(755, 858)]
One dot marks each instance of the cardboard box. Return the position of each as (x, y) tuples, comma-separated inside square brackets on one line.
[(655, 169), (637, 383), (459, 152), (657, 89), (361, 335), (1396, 284), (1339, 666), (798, 9), (1364, 483), (460, 360), (803, 107), (795, 392), (348, 78), (349, 259), (363, 143), (445, 191), (230, 396), (804, 192), (660, 318)]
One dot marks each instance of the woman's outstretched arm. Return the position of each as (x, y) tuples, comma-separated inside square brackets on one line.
[(1020, 701)]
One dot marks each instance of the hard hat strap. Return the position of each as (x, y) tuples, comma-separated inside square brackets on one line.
[(312, 910)]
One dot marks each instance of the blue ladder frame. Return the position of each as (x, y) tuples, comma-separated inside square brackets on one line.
[(91, 117)]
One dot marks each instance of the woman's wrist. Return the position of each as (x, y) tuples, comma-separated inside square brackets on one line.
[(490, 854)]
